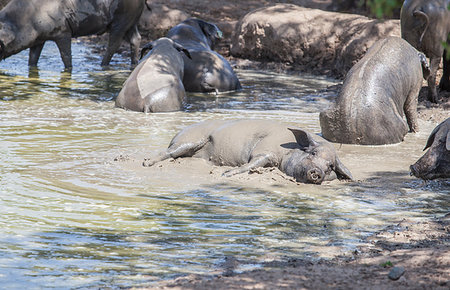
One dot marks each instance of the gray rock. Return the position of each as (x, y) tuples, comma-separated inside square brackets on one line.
[(396, 273)]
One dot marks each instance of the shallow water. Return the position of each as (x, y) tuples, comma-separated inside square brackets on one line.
[(72, 217)]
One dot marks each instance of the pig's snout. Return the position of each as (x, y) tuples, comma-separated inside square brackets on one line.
[(315, 175)]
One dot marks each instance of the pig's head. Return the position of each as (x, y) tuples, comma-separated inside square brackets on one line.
[(211, 31), (435, 163), (6, 37), (313, 161)]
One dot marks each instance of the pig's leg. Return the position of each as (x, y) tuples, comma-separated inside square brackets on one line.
[(65, 49), (116, 36), (176, 151), (35, 53), (268, 159), (410, 109), (445, 80), (134, 38), (434, 65)]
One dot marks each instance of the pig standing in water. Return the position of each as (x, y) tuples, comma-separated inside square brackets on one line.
[(30, 23), (258, 143), (155, 85), (376, 92), (435, 163)]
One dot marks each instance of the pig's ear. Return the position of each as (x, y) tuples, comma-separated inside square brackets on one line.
[(304, 139), (432, 135), (341, 171), (145, 49), (180, 48), (447, 142)]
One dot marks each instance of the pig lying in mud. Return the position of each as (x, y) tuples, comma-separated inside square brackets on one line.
[(29, 23), (258, 143), (435, 163), (376, 92), (207, 71), (155, 85)]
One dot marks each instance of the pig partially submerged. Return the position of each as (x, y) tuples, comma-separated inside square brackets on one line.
[(378, 90), (207, 71), (258, 143), (29, 23), (435, 163), (155, 85)]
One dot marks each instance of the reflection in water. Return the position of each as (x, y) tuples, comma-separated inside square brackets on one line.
[(73, 218)]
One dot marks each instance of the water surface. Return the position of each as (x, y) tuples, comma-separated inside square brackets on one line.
[(72, 217)]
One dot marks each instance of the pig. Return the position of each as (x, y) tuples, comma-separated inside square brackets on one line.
[(29, 23), (248, 144), (155, 85), (207, 71), (377, 92), (425, 24), (435, 163)]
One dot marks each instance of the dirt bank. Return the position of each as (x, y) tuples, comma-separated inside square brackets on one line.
[(408, 255)]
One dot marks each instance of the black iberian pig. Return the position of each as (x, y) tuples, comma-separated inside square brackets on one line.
[(207, 71), (377, 92), (258, 143), (155, 85), (425, 25), (435, 163), (30, 23)]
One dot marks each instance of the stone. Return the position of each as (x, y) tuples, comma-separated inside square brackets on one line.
[(396, 273)]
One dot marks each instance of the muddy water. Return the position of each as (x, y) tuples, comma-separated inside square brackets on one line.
[(73, 217)]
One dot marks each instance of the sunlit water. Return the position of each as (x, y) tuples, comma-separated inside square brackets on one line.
[(71, 217)]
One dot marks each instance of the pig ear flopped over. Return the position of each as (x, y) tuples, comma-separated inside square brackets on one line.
[(180, 48), (304, 139), (145, 49), (341, 171)]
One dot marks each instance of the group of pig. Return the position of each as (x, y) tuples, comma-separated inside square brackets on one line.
[(377, 92)]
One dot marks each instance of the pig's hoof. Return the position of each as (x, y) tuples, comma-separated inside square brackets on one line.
[(147, 163)]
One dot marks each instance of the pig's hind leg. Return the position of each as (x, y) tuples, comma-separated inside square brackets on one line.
[(177, 151)]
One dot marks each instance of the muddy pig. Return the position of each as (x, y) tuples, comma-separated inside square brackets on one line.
[(435, 163), (378, 90), (30, 23), (155, 85), (248, 144), (207, 71)]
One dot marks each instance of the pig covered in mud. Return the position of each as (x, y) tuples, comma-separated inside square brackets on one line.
[(155, 85), (435, 163), (29, 23), (248, 144), (377, 92)]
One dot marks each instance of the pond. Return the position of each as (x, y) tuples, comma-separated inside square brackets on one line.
[(72, 217)]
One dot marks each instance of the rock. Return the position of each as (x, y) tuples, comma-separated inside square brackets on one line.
[(396, 273), (157, 22), (321, 41)]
